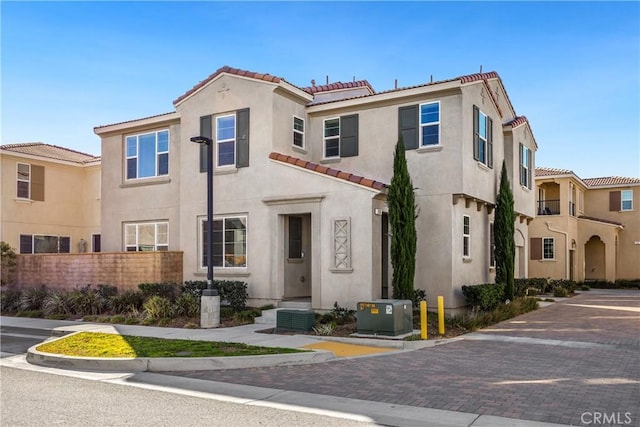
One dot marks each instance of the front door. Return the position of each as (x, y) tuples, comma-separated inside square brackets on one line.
[(297, 259)]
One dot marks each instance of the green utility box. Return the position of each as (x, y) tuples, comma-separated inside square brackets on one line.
[(390, 317), (295, 320)]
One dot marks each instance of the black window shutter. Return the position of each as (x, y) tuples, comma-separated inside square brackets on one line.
[(242, 138), (408, 126), (26, 244), (520, 163), (535, 248), (490, 142), (205, 130), (476, 133), (529, 169), (349, 136)]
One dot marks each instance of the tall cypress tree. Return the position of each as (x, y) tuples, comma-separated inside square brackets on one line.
[(402, 224), (503, 229)]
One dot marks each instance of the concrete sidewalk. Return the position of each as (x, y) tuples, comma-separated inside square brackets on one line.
[(321, 349)]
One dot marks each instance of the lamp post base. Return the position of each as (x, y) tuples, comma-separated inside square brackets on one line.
[(209, 311)]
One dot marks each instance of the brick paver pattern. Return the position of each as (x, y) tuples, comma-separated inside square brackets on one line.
[(594, 366)]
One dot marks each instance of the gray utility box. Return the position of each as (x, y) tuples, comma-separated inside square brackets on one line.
[(385, 317), (295, 320)]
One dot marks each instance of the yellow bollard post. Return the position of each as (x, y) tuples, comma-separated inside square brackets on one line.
[(423, 320), (441, 315)]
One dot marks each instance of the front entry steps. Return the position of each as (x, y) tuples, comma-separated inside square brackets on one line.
[(269, 317)]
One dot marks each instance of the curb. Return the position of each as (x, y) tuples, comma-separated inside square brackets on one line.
[(165, 364)]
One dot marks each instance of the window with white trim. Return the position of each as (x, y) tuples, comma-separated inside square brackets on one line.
[(24, 181), (626, 200), (146, 237), (147, 155), (430, 124), (331, 138), (482, 137), (226, 139), (466, 236), (548, 249), (229, 242), (42, 244), (298, 132), (525, 166)]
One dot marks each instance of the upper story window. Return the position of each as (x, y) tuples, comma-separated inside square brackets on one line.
[(340, 137), (430, 123), (626, 200), (146, 237), (525, 167), (30, 182), (148, 155), (331, 138), (298, 132), (231, 139), (226, 139), (482, 137), (24, 180)]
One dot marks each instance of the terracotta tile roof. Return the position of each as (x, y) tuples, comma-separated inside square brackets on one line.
[(133, 120), (338, 86), (551, 171), (610, 180), (606, 221), (229, 70), (346, 176), (40, 149), (517, 121)]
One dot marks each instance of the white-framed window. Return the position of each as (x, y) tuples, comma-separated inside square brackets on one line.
[(331, 138), (483, 137), (23, 181), (430, 124), (548, 249), (229, 242), (466, 236), (42, 244), (147, 155), (226, 139), (525, 166), (298, 132), (580, 201), (626, 200), (146, 236)]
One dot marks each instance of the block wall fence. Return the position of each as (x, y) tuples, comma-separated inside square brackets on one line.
[(122, 269)]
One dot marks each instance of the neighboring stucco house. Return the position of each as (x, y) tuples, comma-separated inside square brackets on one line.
[(300, 183), (50, 199), (585, 229)]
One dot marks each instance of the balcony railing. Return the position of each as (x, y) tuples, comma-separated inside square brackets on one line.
[(548, 207)]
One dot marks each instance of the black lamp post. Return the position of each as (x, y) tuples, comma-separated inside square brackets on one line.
[(209, 142)]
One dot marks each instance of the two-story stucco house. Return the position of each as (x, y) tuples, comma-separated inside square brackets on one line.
[(585, 229), (300, 183), (50, 199)]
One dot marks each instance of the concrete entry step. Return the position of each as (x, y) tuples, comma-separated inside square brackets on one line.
[(299, 304)]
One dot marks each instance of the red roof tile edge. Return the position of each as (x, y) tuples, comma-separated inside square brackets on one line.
[(342, 175), (339, 85), (606, 221), (227, 69), (12, 147)]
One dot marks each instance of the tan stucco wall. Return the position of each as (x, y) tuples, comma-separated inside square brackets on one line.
[(71, 205)]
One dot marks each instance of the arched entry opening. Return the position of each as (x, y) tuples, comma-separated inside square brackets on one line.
[(594, 259), (520, 258)]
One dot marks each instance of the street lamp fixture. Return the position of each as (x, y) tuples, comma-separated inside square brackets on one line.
[(210, 291)]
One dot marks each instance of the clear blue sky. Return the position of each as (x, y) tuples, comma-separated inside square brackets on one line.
[(573, 68)]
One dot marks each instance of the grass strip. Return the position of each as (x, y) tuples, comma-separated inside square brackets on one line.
[(98, 344)]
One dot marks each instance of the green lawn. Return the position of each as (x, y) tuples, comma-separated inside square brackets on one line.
[(95, 344)]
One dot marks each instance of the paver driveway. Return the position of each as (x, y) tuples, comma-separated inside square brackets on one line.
[(559, 364)]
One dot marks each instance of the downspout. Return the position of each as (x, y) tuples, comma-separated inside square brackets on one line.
[(566, 248)]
